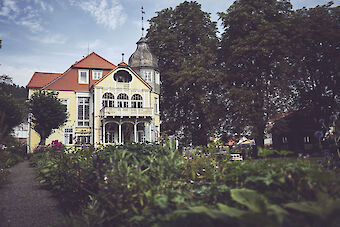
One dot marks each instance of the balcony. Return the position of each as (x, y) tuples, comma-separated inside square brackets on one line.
[(125, 112)]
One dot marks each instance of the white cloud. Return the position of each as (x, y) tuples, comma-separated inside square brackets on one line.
[(106, 12), (49, 38), (26, 14), (9, 9)]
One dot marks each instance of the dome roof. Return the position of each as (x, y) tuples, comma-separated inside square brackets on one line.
[(143, 57)]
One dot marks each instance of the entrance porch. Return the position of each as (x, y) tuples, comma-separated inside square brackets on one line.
[(121, 131)]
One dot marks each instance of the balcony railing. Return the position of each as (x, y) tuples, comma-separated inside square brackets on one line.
[(125, 112)]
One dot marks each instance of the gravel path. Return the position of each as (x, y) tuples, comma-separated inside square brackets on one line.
[(24, 203)]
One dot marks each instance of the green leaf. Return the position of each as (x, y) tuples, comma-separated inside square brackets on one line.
[(231, 211), (250, 198)]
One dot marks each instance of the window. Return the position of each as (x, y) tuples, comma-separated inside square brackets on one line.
[(148, 77), (83, 139), (122, 100), (83, 111), (122, 76), (157, 78), (65, 102), (96, 75), (83, 76), (68, 136), (110, 137), (137, 101), (108, 100), (156, 106), (284, 139), (307, 139)]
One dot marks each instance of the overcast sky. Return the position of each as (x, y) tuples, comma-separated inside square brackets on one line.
[(49, 35)]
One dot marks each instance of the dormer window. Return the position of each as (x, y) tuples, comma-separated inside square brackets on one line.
[(96, 74), (83, 76)]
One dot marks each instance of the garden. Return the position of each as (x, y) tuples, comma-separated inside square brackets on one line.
[(157, 185), (10, 154)]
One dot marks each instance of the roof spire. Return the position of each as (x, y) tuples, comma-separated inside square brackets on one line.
[(122, 57), (143, 12)]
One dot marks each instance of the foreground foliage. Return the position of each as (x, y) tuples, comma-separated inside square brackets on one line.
[(10, 154), (145, 185)]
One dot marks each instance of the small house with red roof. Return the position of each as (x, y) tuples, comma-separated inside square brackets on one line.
[(106, 103)]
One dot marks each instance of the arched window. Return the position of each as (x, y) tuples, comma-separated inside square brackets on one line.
[(137, 101), (108, 100), (122, 76), (122, 100)]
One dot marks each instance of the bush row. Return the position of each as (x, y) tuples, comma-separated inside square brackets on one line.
[(152, 185)]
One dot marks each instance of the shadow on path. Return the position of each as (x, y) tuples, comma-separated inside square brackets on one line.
[(24, 203)]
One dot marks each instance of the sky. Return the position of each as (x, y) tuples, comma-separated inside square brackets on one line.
[(49, 35)]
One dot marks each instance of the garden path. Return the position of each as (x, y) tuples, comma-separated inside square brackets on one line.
[(24, 203)]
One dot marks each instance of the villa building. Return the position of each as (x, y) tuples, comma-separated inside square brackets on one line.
[(106, 104)]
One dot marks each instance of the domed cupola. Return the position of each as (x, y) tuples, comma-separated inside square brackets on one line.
[(146, 64), (142, 57)]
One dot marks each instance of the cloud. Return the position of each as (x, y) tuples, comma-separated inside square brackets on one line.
[(49, 38), (106, 12), (9, 9), (25, 14)]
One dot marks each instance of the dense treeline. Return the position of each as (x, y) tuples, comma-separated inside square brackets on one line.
[(12, 105), (269, 59)]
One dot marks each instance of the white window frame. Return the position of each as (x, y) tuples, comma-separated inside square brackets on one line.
[(284, 139), (68, 132), (156, 105), (65, 102), (83, 139), (136, 103), (97, 74), (122, 103), (80, 81), (108, 102), (82, 122), (148, 76), (158, 81), (307, 139)]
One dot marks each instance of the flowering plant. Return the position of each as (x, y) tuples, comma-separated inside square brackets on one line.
[(56, 146)]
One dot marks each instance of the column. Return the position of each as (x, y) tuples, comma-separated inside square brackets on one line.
[(135, 131), (150, 138), (120, 133), (104, 133)]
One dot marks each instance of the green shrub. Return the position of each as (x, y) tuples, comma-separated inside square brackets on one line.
[(148, 184)]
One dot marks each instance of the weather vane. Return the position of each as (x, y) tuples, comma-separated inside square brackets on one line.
[(143, 12)]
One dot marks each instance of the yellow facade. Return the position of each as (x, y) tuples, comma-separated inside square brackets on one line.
[(111, 120)]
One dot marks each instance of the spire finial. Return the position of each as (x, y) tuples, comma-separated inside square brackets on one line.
[(143, 12), (122, 57)]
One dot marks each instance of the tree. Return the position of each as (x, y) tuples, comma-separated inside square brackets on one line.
[(12, 105), (184, 40), (11, 114), (47, 113), (315, 55), (253, 53)]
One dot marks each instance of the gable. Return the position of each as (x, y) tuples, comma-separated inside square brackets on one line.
[(123, 77), (93, 60)]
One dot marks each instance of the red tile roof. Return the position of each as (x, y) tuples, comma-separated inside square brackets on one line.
[(41, 79), (93, 60), (69, 80)]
